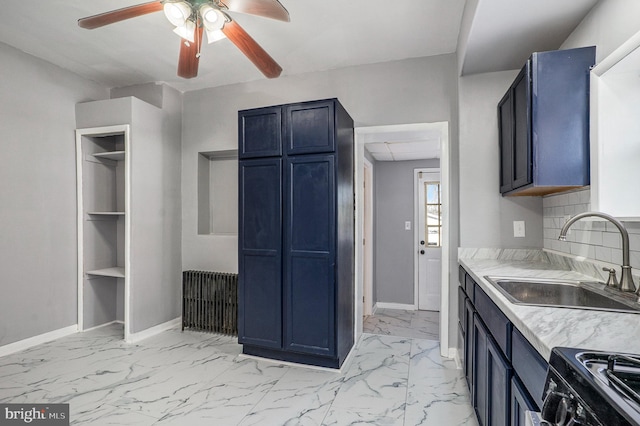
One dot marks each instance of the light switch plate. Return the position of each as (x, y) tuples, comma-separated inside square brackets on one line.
[(407, 226), (518, 228)]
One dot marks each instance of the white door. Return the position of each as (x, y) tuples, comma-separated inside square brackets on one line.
[(429, 240)]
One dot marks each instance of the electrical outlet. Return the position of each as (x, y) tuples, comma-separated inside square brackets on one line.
[(518, 228)]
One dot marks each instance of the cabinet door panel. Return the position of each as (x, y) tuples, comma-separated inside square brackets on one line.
[(310, 127), (260, 133), (520, 403), (260, 253), (468, 345), (498, 385), (310, 255), (522, 151), (309, 322), (461, 311), (505, 138), (481, 397)]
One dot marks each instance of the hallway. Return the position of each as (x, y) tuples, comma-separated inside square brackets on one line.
[(402, 323)]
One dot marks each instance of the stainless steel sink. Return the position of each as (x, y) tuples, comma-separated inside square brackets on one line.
[(564, 294)]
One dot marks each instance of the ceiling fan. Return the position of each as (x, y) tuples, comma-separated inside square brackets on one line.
[(193, 17)]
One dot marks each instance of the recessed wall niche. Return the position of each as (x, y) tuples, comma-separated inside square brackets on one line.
[(218, 192)]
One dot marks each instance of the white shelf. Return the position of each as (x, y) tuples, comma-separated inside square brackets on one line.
[(116, 272), (111, 155)]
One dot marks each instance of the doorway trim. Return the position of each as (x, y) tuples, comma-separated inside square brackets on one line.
[(367, 235), (445, 179)]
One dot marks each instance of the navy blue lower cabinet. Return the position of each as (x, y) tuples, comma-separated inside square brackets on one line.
[(499, 374), (505, 374), (468, 344), (481, 395), (520, 403), (492, 379), (260, 253)]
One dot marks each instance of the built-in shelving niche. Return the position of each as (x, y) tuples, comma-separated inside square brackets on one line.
[(218, 193), (102, 224)]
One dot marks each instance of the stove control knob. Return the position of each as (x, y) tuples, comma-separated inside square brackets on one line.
[(560, 410)]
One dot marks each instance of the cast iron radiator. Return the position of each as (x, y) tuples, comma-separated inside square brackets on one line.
[(210, 302)]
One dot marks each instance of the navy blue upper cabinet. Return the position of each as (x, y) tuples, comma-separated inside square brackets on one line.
[(296, 257), (310, 128), (260, 133), (543, 122)]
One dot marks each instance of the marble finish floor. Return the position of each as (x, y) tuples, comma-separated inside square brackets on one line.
[(395, 322), (190, 378)]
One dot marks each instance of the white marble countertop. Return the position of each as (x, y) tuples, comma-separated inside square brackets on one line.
[(547, 327)]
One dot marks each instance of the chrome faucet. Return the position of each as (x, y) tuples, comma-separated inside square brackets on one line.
[(626, 280)]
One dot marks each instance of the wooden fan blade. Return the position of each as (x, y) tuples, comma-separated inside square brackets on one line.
[(251, 49), (190, 55), (265, 8), (97, 21)]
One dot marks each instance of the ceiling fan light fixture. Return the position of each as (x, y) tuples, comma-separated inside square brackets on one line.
[(213, 36), (186, 31), (177, 13), (212, 18)]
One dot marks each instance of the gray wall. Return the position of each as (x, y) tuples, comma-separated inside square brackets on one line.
[(394, 251), (609, 24), (38, 195), (486, 218), (409, 91), (157, 215)]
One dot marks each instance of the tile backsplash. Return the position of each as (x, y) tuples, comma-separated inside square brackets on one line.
[(593, 239)]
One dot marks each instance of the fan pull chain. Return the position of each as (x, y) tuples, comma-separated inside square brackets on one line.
[(198, 38)]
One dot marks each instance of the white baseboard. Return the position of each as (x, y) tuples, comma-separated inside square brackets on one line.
[(403, 306), (152, 331), (454, 354), (37, 340), (102, 325)]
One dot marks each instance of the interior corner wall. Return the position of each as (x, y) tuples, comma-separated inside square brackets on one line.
[(394, 203), (609, 24), (399, 92), (156, 215), (486, 217), (38, 194)]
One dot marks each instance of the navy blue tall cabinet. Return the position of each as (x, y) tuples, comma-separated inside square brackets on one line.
[(296, 232)]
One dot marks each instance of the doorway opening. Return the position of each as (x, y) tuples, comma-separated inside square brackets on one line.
[(403, 142)]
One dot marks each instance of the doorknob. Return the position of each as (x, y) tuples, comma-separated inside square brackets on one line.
[(421, 251)]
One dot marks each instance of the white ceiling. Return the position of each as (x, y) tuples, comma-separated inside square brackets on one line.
[(504, 33), (404, 142), (322, 35)]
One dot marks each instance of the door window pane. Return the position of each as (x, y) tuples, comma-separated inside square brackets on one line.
[(433, 214)]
